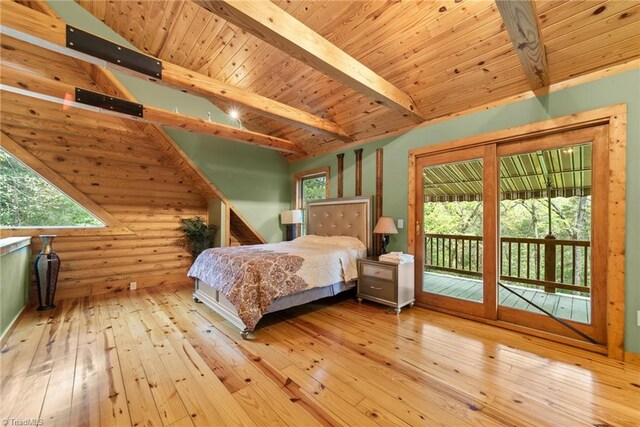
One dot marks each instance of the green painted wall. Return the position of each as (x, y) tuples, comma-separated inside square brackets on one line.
[(15, 275), (618, 89), (255, 180)]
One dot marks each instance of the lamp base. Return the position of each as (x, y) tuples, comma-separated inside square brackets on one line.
[(385, 242), (292, 232)]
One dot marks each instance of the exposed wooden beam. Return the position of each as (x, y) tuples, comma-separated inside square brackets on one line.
[(31, 85), (113, 225), (521, 21), (49, 32), (268, 22)]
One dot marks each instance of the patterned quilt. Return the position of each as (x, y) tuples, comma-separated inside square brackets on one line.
[(251, 277)]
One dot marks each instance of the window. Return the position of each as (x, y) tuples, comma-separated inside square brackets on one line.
[(29, 200), (310, 185)]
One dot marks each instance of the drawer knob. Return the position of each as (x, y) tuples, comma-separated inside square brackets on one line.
[(377, 289)]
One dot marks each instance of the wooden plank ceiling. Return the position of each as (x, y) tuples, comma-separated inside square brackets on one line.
[(447, 55)]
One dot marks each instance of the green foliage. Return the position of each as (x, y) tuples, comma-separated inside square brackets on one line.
[(198, 236), (453, 218), (570, 218), (314, 188), (28, 200)]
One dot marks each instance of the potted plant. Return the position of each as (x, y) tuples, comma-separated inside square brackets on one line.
[(198, 236)]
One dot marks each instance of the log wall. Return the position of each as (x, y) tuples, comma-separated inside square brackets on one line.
[(116, 165)]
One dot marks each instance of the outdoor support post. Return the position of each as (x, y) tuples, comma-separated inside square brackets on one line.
[(549, 248), (550, 262)]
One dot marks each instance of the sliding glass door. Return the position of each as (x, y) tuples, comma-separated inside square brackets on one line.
[(549, 202), (509, 232)]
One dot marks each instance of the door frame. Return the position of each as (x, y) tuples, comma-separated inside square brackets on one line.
[(472, 308), (614, 118), (596, 135)]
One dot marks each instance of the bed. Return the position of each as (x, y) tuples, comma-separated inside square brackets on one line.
[(244, 283)]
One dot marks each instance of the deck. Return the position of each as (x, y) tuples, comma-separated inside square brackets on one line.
[(571, 307)]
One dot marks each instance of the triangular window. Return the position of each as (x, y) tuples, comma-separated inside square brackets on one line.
[(29, 200)]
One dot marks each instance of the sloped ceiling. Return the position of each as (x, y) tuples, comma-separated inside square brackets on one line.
[(448, 55)]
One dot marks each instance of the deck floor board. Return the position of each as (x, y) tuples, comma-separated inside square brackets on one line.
[(569, 307)]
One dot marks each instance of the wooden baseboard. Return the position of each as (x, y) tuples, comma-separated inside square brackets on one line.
[(633, 358)]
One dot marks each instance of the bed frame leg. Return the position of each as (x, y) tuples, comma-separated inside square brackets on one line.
[(196, 299), (245, 334)]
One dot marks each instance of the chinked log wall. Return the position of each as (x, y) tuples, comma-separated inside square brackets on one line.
[(119, 167)]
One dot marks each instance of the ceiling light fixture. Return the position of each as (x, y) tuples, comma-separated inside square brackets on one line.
[(234, 114)]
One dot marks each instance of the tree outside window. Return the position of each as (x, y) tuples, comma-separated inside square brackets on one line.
[(29, 200)]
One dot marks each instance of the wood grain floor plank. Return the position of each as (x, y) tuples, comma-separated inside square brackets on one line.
[(155, 357), (170, 406), (114, 409), (85, 408), (17, 354), (451, 363), (274, 390), (56, 408)]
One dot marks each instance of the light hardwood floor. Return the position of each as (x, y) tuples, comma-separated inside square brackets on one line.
[(154, 357)]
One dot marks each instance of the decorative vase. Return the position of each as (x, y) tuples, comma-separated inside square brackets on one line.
[(46, 268)]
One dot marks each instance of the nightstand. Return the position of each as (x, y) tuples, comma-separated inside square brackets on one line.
[(386, 283)]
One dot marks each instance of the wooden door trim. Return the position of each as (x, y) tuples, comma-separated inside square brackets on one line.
[(490, 232), (597, 137), (452, 303), (616, 118), (527, 319), (549, 142), (600, 116), (597, 348)]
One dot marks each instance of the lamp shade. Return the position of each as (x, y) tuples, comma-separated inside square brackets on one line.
[(385, 225), (291, 217)]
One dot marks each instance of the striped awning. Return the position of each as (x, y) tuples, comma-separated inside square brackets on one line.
[(564, 172)]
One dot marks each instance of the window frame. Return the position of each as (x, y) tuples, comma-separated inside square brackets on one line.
[(112, 226), (299, 177)]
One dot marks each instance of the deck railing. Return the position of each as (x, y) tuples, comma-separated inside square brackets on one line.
[(549, 263)]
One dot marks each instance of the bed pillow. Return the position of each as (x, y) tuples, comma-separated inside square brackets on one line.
[(342, 241)]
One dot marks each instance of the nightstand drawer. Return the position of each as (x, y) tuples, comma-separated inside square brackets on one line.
[(378, 271), (377, 289)]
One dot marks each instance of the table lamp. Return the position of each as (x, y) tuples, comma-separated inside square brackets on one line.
[(385, 226), (291, 219)]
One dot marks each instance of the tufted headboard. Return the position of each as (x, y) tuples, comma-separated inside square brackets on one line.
[(349, 216)]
